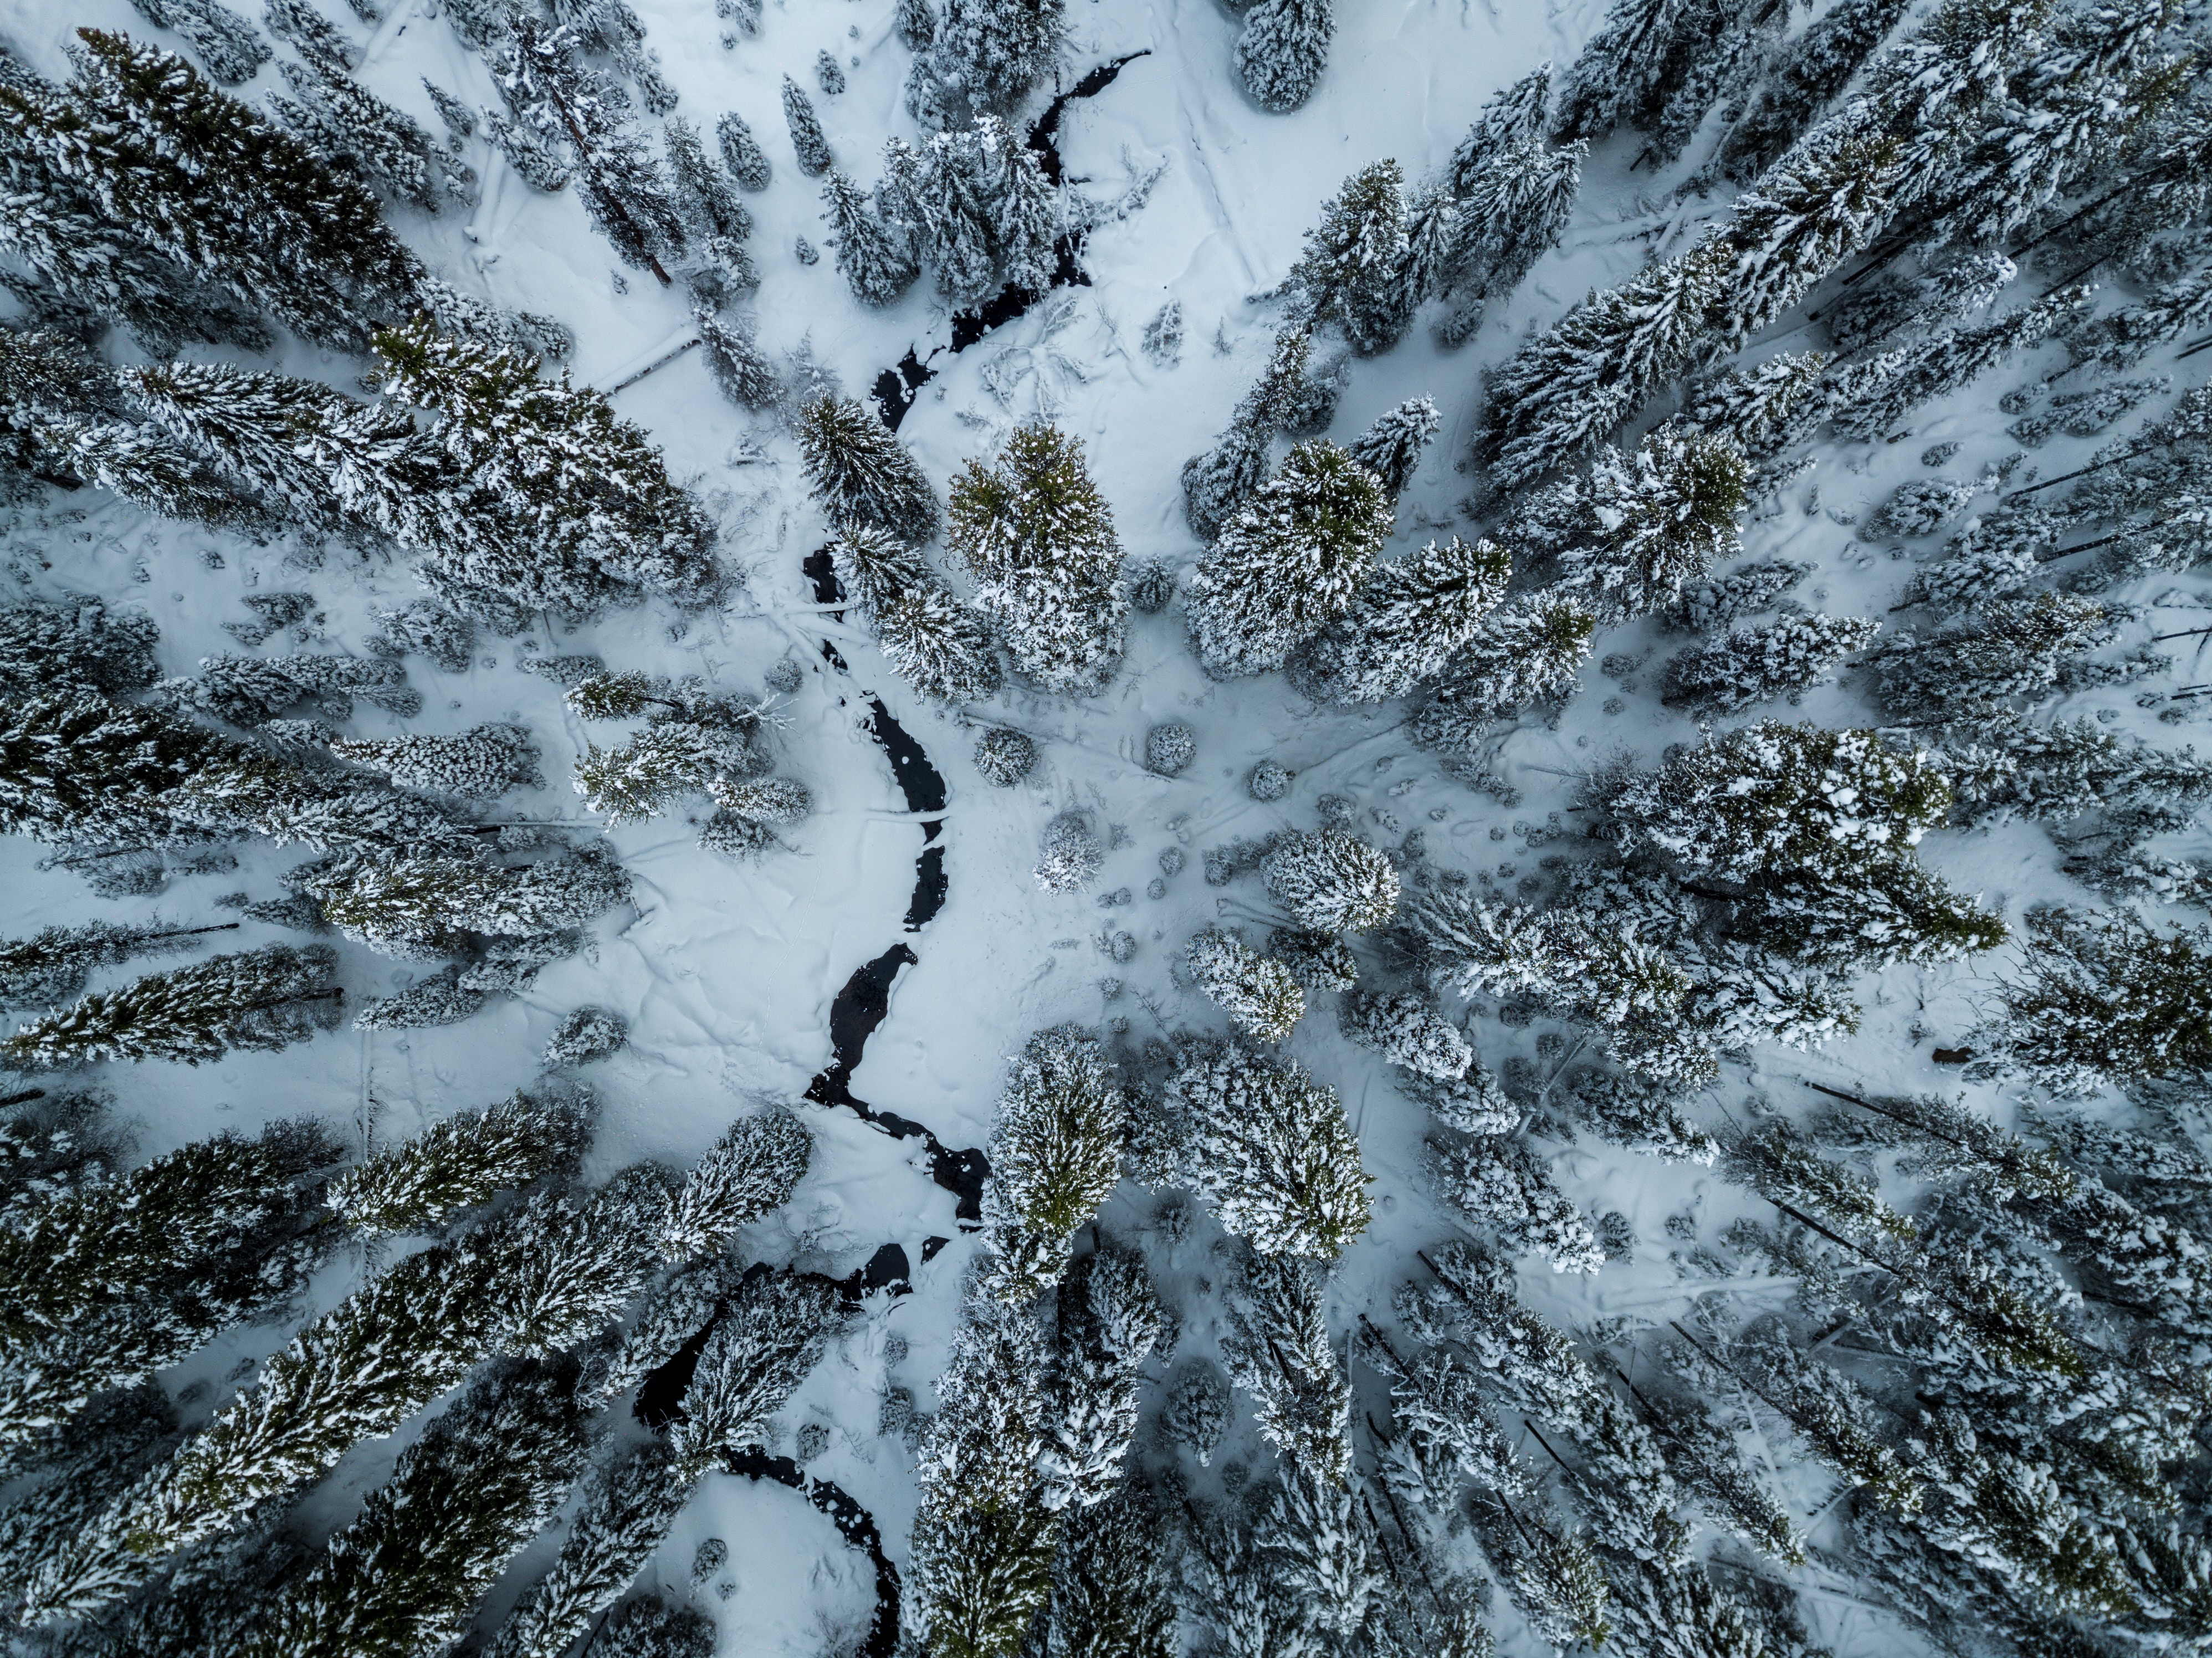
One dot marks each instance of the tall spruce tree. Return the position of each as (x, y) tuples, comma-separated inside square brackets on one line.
[(1293, 559), (1038, 538), (1352, 269), (256, 1000), (860, 473), (1269, 1151), (1408, 620), (1282, 51)]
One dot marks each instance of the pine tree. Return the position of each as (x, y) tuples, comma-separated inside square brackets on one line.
[(1762, 409), (1282, 51), (483, 763), (1528, 650), (630, 1503), (460, 1162), (2002, 648), (52, 965), (1820, 205), (741, 152), (915, 25), (981, 1576), (989, 55), (1293, 559), (1278, 1352), (1110, 1587), (1629, 536), (462, 1500), (1349, 272), (198, 177), (806, 136), (110, 1279), (1756, 664), (1409, 620), (875, 263), (1408, 1030), (249, 425), (860, 473), (258, 1000), (1499, 1182), (2106, 998), (1649, 1116), (1196, 1413), (1215, 485), (426, 905), (1515, 199), (1038, 538), (1627, 67), (773, 1334), (1890, 387), (1110, 1320), (1269, 1151), (1392, 447), (351, 127), (1776, 799), (1333, 882), (1817, 67), (1055, 1156), (741, 370), (1259, 994), (715, 221), (1316, 960), (1563, 392)]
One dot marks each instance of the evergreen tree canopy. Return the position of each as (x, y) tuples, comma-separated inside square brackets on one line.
[(1269, 1151), (860, 473)]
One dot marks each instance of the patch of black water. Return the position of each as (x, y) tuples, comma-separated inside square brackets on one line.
[(854, 1523), (895, 388)]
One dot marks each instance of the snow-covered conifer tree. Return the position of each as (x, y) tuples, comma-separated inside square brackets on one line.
[(1333, 882), (1757, 664), (1038, 538), (1820, 205), (258, 1000), (1350, 273), (1110, 1320), (1564, 391), (351, 126), (875, 264), (1269, 1151), (1392, 447), (986, 54), (2106, 998), (1514, 202), (53, 963), (2002, 648), (485, 761), (50, 648), (1408, 621), (773, 1333), (1055, 1156), (741, 152), (1648, 1115), (1111, 1585), (740, 369), (860, 473), (806, 136), (1278, 1352), (1406, 1029), (588, 1034), (629, 1503), (1499, 1182), (1640, 525), (715, 221), (1259, 993), (1876, 406), (426, 905), (1528, 650), (1294, 558), (1815, 68), (460, 1163), (1316, 960), (1282, 51), (1217, 484)]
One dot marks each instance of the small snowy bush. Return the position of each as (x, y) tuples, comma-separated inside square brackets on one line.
[(1196, 1414), (588, 1034), (1268, 781), (1071, 855), (1151, 586), (1004, 757), (1169, 749)]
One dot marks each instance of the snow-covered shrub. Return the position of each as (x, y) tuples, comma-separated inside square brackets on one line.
[(1004, 756), (1256, 991), (481, 763), (1919, 507), (1169, 749), (1406, 1029), (1317, 961), (1151, 586), (1196, 1413), (1268, 781), (1072, 854), (1333, 882), (588, 1034), (1471, 1102), (763, 799), (735, 836)]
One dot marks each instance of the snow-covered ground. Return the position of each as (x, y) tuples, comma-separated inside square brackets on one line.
[(726, 972)]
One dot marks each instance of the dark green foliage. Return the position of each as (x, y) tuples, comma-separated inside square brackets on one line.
[(257, 1000)]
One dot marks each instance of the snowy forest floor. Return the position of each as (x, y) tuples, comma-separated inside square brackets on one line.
[(726, 972)]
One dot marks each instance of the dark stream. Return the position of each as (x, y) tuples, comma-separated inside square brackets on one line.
[(895, 388)]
